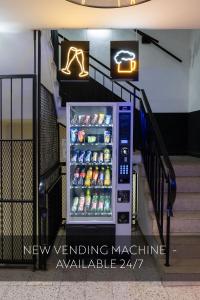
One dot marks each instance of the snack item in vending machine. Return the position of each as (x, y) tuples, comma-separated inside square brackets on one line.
[(94, 119), (101, 203), (88, 156), (74, 121), (94, 202), (82, 177), (107, 137), (95, 176), (74, 156), (108, 119), (81, 156), (75, 204), (88, 199), (107, 155), (81, 119), (94, 156), (88, 177), (73, 135), (87, 120), (100, 157), (76, 176), (107, 204), (107, 180), (101, 177), (81, 136), (101, 118), (81, 203), (91, 139)]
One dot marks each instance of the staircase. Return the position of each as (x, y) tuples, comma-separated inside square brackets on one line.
[(185, 225), (156, 197)]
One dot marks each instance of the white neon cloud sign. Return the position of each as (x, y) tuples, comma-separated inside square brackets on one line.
[(125, 55)]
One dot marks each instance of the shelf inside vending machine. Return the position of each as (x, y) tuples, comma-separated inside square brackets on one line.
[(91, 163)]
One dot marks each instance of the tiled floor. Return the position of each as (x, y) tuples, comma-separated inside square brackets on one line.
[(65, 285), (97, 290)]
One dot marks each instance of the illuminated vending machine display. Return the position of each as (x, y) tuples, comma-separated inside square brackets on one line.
[(99, 166)]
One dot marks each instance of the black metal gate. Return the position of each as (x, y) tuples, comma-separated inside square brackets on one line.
[(50, 179), (17, 168)]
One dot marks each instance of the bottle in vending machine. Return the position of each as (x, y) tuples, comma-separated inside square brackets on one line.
[(81, 156), (101, 203), (94, 119), (88, 177), (100, 157), (107, 155), (82, 177), (101, 177), (73, 135), (88, 200), (107, 137), (94, 202), (94, 156), (88, 156), (107, 178), (81, 203), (75, 204), (76, 176), (95, 176), (107, 204), (75, 155), (81, 136)]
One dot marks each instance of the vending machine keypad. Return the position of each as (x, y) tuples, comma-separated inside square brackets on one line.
[(124, 147)]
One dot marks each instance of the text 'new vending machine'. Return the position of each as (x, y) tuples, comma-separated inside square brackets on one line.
[(99, 168)]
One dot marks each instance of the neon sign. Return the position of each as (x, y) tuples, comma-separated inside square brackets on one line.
[(125, 55), (75, 54), (124, 60)]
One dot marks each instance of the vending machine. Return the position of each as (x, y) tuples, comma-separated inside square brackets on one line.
[(99, 167)]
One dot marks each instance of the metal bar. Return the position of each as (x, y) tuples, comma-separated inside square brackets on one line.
[(53, 184), (11, 153), (168, 230), (1, 135), (22, 167), (17, 76), (16, 201), (155, 42)]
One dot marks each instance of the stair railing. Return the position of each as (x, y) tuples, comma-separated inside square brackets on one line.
[(159, 170)]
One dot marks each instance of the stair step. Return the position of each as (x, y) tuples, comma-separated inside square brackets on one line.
[(188, 184), (186, 166), (187, 202), (183, 202), (182, 269), (182, 223)]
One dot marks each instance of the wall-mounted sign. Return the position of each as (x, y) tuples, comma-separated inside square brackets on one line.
[(124, 58), (74, 60)]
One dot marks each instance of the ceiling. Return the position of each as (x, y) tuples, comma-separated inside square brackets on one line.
[(34, 14)]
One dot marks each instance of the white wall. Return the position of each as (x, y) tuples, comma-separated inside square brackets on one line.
[(194, 80), (16, 53), (164, 79)]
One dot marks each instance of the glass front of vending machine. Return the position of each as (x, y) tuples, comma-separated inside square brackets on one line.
[(91, 163)]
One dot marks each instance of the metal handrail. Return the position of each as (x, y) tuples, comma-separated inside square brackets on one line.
[(168, 168)]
